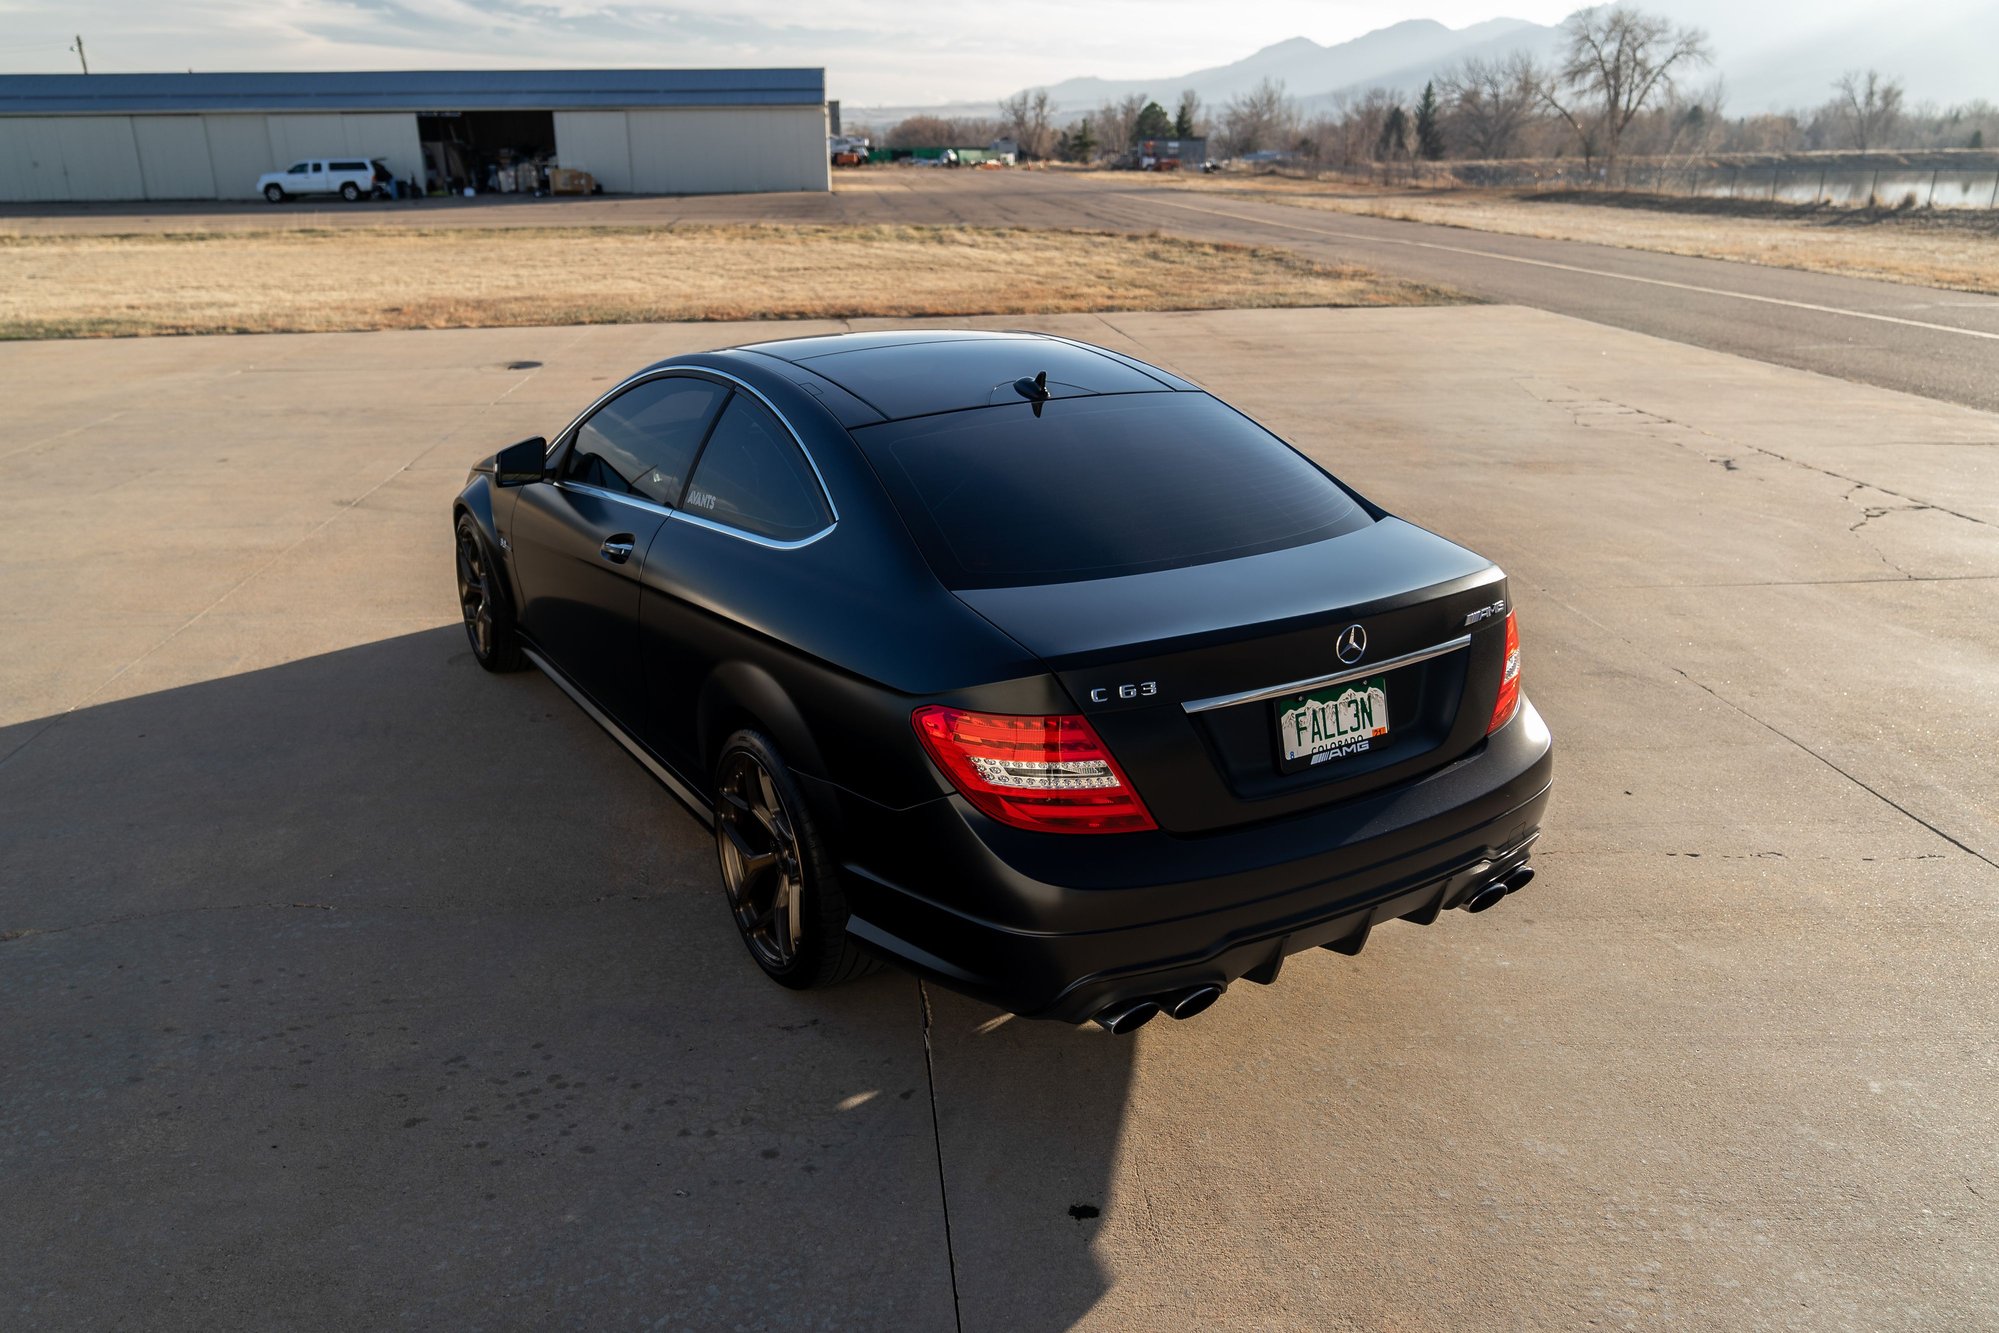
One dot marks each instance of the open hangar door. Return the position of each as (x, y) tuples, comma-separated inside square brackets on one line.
[(507, 152)]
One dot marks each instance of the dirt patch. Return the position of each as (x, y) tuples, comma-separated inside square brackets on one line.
[(401, 278)]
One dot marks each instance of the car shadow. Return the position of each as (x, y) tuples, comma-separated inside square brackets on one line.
[(370, 988)]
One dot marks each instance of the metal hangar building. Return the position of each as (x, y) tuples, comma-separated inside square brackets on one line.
[(70, 137)]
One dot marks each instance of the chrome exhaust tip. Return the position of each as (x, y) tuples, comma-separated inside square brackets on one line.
[(1118, 1019), (1187, 1003), (1520, 879), (1488, 896)]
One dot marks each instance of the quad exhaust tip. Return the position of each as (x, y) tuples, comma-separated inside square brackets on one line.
[(1120, 1019), (1187, 1003), (1131, 1015), (1489, 896)]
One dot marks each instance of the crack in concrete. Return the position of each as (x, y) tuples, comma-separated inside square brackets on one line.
[(1579, 414), (1774, 730), (47, 440), (31, 931), (1729, 463), (937, 1142), (1876, 793), (1870, 512)]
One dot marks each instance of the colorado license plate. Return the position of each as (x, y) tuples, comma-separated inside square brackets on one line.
[(1331, 723)]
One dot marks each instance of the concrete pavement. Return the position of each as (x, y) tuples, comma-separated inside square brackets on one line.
[(348, 985)]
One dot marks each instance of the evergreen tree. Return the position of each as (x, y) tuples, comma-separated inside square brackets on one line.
[(1393, 144), (1152, 123), (1429, 126), (1183, 116), (1079, 144)]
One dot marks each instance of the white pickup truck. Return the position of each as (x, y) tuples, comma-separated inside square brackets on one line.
[(349, 177)]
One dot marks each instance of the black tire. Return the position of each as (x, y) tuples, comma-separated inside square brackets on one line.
[(274, 193), (749, 773), (482, 600), (350, 192)]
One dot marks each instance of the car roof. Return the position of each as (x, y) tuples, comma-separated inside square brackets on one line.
[(911, 373)]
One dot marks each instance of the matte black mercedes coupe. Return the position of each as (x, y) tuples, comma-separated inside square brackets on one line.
[(1018, 662)]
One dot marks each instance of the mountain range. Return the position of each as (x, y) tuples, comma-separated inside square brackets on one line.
[(1941, 52)]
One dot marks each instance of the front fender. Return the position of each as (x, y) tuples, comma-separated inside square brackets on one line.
[(484, 502)]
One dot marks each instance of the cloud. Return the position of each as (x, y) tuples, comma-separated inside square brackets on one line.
[(874, 51)]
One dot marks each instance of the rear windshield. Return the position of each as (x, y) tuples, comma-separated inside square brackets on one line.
[(1097, 487)]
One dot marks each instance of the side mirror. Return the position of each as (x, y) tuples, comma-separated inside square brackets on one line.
[(519, 464)]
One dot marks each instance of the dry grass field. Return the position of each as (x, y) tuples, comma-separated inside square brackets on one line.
[(352, 278), (1957, 249)]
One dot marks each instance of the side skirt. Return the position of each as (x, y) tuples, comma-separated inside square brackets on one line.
[(686, 795)]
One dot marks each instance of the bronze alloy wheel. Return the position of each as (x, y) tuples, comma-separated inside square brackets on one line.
[(760, 862), (475, 591)]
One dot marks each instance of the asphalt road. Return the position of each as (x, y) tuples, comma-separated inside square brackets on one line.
[(1940, 344), (345, 985)]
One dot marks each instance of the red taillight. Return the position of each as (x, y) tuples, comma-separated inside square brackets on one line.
[(1509, 680), (1050, 774)]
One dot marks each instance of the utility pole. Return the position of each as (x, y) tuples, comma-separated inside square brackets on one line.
[(78, 48)]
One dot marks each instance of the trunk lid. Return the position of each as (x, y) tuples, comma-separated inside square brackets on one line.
[(1186, 673)]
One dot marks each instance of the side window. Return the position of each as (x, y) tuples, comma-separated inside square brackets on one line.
[(753, 477), (298, 168), (642, 441)]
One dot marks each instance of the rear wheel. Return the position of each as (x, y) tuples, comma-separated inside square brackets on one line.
[(350, 192), (489, 620), (274, 193), (780, 880)]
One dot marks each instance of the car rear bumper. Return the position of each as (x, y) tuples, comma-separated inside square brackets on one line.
[(1064, 926)]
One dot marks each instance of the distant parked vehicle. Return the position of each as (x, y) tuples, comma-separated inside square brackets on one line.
[(351, 178)]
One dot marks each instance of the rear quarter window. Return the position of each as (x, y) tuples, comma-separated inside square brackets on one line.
[(751, 476), (1099, 487)]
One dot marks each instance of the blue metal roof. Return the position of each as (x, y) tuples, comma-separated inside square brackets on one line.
[(409, 90)]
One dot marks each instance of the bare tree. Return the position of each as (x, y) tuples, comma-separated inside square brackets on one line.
[(1868, 105), (942, 132), (1692, 125), (1616, 61), (1116, 123), (1366, 124), (1026, 119), (1490, 102), (1265, 117), (1013, 114)]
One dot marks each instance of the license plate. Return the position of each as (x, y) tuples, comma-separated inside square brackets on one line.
[(1332, 723)]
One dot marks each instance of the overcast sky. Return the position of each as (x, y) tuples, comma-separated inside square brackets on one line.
[(874, 51)]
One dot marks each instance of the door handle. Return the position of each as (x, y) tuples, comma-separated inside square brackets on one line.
[(617, 549)]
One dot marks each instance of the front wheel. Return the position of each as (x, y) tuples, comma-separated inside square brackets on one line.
[(350, 192), (274, 193), (781, 882), (489, 620)]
